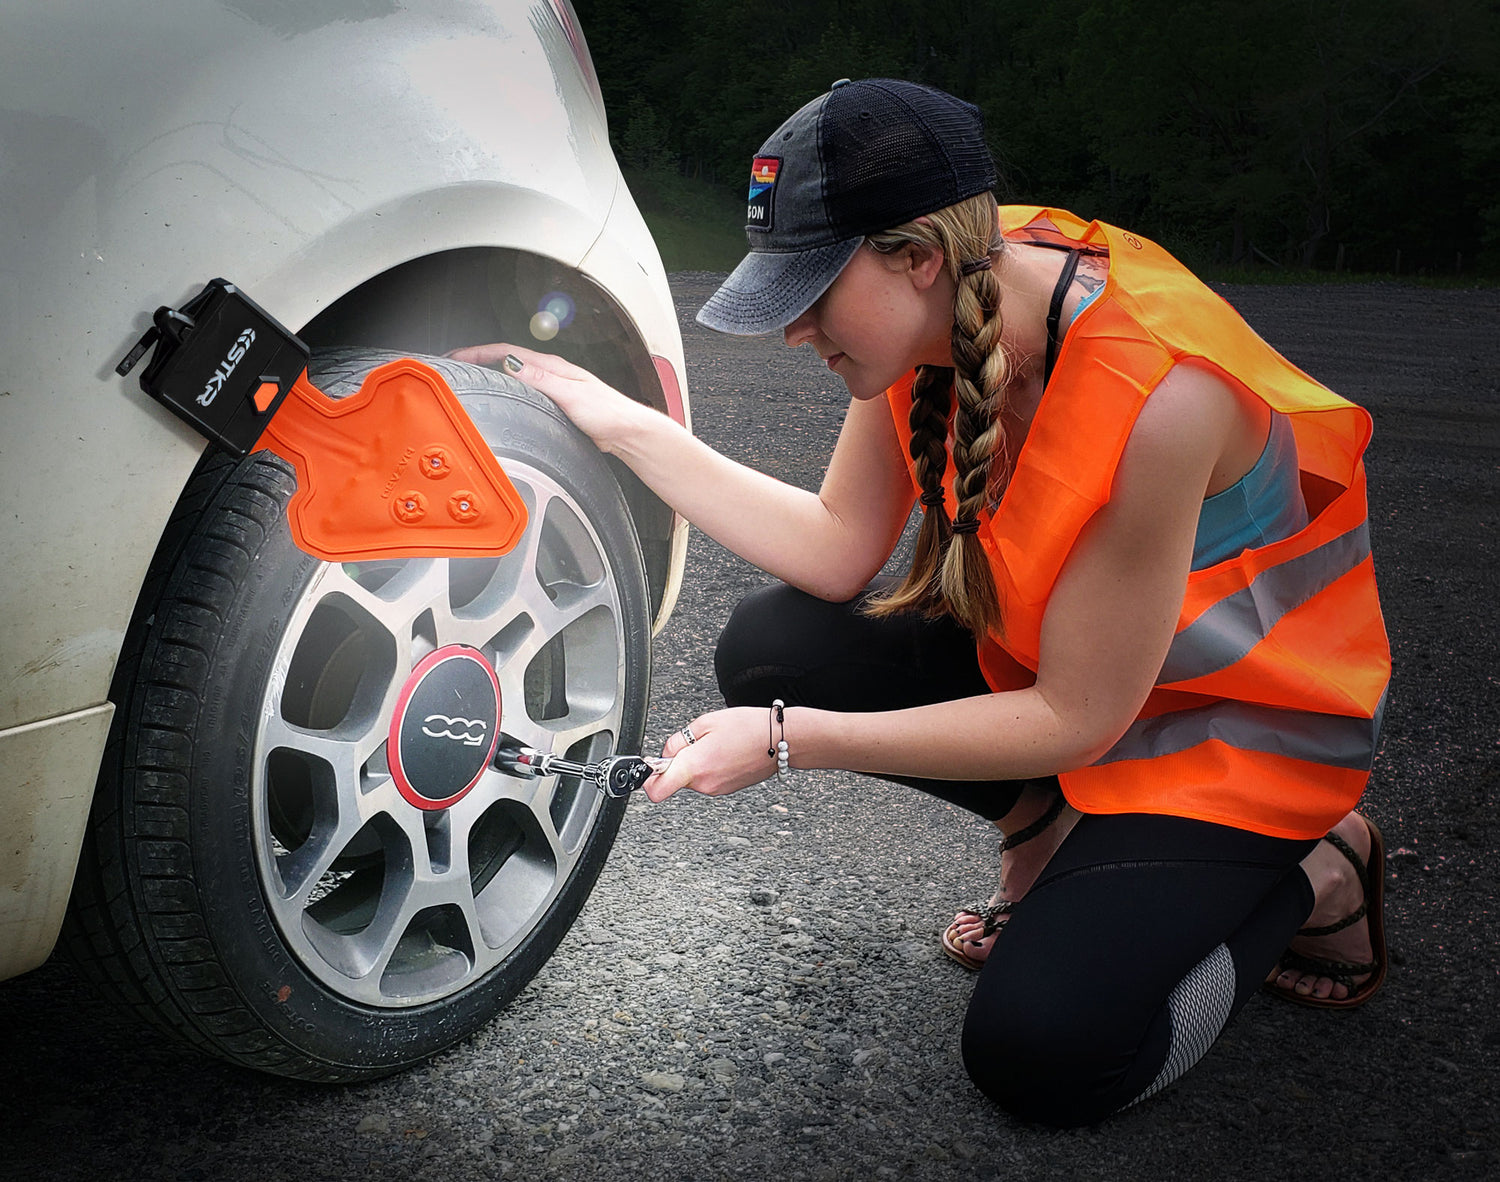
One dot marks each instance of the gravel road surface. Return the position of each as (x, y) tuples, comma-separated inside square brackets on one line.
[(756, 988)]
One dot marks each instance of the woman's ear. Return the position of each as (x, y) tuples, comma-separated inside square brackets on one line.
[(925, 264)]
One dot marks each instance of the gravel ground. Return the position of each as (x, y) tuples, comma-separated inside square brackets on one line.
[(756, 988)]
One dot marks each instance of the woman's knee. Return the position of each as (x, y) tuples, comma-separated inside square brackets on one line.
[(774, 636), (749, 648), (1040, 1058)]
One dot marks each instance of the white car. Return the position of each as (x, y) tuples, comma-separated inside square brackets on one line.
[(200, 725)]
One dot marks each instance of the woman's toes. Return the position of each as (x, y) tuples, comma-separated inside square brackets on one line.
[(968, 927), (1322, 988)]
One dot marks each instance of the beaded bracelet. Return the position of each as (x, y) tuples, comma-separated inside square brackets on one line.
[(778, 748)]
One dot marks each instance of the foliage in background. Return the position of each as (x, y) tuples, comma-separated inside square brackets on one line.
[(1284, 133), (697, 226)]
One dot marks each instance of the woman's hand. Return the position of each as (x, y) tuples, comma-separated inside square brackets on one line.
[(728, 752), (829, 543), (601, 412)]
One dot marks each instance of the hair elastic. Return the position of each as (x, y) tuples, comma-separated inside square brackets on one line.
[(974, 266), (934, 498), (969, 525)]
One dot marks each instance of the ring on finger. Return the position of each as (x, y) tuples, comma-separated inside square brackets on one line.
[(687, 733)]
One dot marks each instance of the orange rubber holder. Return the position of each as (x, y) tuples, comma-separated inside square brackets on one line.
[(397, 469), (265, 394)]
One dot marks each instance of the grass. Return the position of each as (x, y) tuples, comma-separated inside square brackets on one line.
[(697, 226)]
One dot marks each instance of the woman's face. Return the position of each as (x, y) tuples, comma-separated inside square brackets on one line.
[(883, 315)]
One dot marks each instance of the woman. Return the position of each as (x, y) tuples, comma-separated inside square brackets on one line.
[(1140, 631)]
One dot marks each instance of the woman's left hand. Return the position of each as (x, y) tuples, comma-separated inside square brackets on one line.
[(601, 412), (728, 752)]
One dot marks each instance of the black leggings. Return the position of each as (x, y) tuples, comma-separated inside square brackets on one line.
[(1141, 939)]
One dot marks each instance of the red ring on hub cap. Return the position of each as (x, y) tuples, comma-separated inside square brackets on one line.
[(445, 727)]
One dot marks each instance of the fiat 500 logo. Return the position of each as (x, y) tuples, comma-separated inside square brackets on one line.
[(468, 731)]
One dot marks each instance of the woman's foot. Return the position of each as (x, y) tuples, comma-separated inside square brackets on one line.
[(1338, 958), (1035, 827)]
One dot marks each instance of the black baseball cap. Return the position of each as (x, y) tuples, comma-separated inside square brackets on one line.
[(865, 157)]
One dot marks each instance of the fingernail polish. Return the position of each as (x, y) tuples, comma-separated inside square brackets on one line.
[(513, 364)]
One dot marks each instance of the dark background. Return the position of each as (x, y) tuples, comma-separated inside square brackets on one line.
[(1280, 134)]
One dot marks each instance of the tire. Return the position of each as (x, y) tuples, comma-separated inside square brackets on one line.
[(257, 880)]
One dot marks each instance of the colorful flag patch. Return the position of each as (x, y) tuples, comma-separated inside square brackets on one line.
[(763, 170)]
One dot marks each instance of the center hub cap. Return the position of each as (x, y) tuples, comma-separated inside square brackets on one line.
[(445, 727)]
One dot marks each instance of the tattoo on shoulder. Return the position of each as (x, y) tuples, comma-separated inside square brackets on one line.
[(1091, 274)]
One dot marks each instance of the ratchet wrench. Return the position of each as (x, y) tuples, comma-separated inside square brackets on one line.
[(615, 776)]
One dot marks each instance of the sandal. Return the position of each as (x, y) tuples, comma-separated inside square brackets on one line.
[(1342, 972), (992, 915)]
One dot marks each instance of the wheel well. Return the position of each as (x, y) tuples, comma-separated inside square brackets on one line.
[(480, 294)]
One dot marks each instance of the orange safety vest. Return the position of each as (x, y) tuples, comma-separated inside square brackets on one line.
[(1267, 708)]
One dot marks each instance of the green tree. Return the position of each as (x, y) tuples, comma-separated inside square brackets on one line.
[(1239, 129)]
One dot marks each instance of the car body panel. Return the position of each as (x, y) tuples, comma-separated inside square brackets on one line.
[(297, 150), (49, 768), (624, 261)]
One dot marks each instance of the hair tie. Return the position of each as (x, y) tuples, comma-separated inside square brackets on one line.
[(968, 525), (974, 266), (932, 499)]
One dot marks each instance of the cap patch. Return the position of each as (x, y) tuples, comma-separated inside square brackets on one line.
[(763, 170)]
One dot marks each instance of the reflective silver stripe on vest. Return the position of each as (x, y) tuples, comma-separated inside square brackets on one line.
[(1332, 739), (1227, 631)]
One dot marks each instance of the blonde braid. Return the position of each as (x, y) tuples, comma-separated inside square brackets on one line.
[(980, 374), (931, 402), (950, 572)]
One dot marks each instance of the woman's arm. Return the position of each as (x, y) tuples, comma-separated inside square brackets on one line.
[(1108, 624), (829, 543)]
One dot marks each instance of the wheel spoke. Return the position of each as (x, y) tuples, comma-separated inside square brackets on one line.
[(570, 607), (302, 869), (469, 908), (410, 606), (541, 812), (345, 750), (375, 946), (567, 737)]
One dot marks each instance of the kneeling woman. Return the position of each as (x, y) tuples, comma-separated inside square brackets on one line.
[(1140, 632)]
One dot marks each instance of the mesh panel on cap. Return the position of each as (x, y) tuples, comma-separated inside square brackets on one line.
[(887, 162)]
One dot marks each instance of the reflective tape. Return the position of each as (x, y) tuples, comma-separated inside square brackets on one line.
[(1228, 630), (1332, 739)]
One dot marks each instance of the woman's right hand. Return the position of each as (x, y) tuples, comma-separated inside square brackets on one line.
[(601, 412)]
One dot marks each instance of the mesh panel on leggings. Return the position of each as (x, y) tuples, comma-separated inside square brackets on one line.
[(873, 152), (1199, 1007)]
